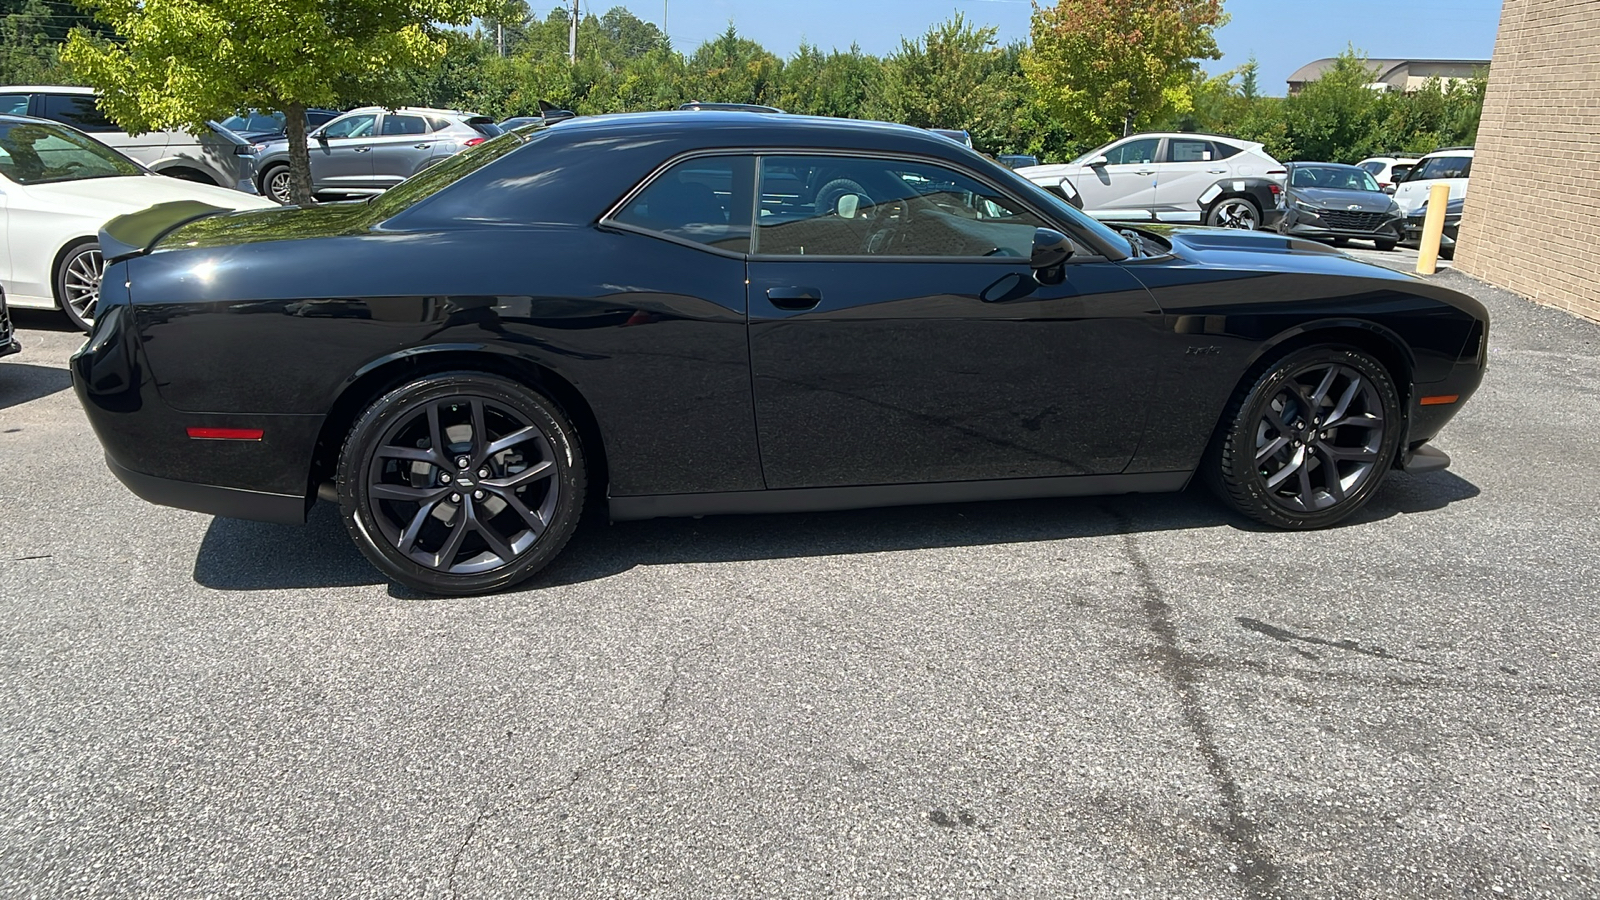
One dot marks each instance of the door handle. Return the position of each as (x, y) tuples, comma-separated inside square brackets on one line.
[(798, 298), (362, 149), (1145, 172), (420, 146), (1217, 171)]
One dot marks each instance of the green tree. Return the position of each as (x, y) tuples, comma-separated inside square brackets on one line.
[(955, 76), (180, 63), (1104, 67), (734, 69), (1335, 117)]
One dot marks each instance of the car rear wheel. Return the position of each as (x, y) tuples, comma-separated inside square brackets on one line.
[(276, 184), (1235, 212), (1383, 245), (461, 483), (78, 283), (1309, 441)]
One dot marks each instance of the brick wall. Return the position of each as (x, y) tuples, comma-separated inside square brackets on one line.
[(1532, 221)]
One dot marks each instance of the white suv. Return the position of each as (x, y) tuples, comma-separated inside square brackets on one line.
[(1168, 177), (1452, 166)]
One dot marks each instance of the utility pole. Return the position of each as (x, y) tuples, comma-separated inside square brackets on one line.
[(666, 26), (572, 36), (500, 37)]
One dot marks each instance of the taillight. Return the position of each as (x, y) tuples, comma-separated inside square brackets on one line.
[(473, 142), (1274, 189)]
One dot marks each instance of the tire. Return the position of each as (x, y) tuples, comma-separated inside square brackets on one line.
[(1235, 212), (275, 184), (440, 528), (1384, 246), (191, 175), (77, 283), (1447, 253), (1268, 484), (1340, 242)]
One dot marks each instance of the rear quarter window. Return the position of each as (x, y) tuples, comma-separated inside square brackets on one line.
[(78, 110)]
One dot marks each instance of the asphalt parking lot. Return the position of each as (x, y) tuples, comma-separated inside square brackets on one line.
[(1134, 696)]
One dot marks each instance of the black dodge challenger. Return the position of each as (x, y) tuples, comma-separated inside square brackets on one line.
[(726, 312)]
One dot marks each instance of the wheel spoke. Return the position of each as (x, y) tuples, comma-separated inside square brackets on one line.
[(452, 545), (1349, 454), (1342, 408), (1306, 491), (408, 539), (1295, 464), (512, 439), (412, 453), (536, 523), (492, 538), (1308, 409), (436, 434), (538, 470), (1330, 475), (479, 435), (1274, 446), (1321, 393), (405, 492)]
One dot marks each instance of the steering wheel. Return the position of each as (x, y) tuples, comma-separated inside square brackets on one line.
[(887, 220)]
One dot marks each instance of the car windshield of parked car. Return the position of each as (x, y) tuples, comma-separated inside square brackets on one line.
[(1329, 177), (436, 178), (36, 153), (1442, 167), (255, 122)]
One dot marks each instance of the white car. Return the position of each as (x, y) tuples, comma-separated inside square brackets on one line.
[(1171, 177), (1387, 171), (1452, 166), (57, 187)]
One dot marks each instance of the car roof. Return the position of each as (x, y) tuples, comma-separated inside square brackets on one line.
[(1323, 165), (408, 109), (47, 89), (759, 129), (1449, 151)]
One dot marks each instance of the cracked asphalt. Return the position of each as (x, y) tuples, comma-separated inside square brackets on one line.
[(1130, 696)]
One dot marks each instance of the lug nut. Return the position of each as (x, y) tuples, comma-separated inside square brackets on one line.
[(477, 495), (455, 498), (483, 472), (463, 462), (444, 477)]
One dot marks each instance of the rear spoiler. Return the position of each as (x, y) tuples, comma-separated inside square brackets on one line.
[(135, 233)]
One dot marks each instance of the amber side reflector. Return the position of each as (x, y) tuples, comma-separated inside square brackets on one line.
[(1439, 400), (225, 434)]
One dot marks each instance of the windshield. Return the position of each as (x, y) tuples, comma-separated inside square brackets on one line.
[(39, 153), (433, 179), (1333, 178), (256, 121), (1442, 167)]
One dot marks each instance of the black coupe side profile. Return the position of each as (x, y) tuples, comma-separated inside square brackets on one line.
[(725, 312)]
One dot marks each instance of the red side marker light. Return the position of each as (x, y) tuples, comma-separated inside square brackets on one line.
[(473, 142), (1439, 400), (225, 434)]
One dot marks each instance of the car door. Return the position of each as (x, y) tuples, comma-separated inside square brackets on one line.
[(1125, 186), (403, 145), (341, 153), (897, 334), (1188, 166)]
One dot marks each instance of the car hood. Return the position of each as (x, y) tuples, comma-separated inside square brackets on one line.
[(114, 196), (1413, 195), (1336, 198)]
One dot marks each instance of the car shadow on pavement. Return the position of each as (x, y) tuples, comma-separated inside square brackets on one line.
[(22, 382), (246, 556)]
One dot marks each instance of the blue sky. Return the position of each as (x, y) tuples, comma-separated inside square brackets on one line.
[(1283, 34)]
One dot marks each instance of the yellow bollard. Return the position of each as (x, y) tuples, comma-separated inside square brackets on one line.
[(1432, 229)]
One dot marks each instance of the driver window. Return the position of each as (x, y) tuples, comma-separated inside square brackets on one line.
[(354, 126), (1133, 152), (705, 200), (838, 206)]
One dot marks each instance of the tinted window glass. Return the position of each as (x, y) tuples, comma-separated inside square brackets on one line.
[(704, 200), (1182, 150), (1331, 178), (37, 153), (1443, 167), (76, 110), (1372, 168), (1224, 150), (318, 117), (352, 127), (14, 104), (438, 123), (1399, 173), (832, 206), (404, 125)]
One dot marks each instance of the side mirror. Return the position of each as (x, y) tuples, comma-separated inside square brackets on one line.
[(321, 138), (1388, 188), (1099, 161), (1051, 250)]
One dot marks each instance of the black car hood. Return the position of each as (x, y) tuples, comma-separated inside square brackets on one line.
[(1336, 198), (1194, 242)]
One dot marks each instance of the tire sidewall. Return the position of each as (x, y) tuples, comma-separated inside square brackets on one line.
[(267, 179), (1246, 488), (67, 258), (1213, 218), (356, 460)]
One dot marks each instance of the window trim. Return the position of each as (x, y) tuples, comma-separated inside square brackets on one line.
[(607, 220)]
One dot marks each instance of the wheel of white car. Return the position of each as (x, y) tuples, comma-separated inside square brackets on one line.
[(78, 283), (1235, 212)]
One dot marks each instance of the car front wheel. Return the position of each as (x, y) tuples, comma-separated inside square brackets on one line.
[(1235, 212), (1308, 442), (276, 184), (461, 483)]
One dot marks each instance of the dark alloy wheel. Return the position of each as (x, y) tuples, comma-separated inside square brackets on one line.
[(276, 185), (461, 483), (78, 283), (1308, 443)]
